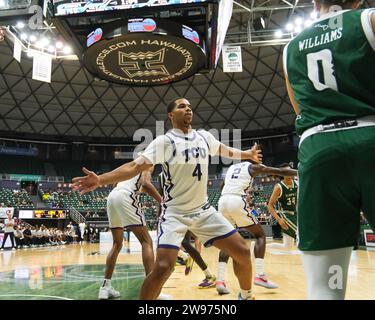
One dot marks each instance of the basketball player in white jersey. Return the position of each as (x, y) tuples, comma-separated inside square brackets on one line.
[(192, 254), (184, 154), (234, 206), (124, 210)]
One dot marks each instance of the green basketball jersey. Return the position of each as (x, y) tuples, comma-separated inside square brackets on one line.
[(331, 68), (288, 198)]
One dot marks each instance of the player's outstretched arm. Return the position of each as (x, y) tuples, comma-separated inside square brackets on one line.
[(91, 180), (256, 169), (254, 154), (147, 186)]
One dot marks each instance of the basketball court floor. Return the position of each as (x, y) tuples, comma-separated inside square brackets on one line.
[(76, 272)]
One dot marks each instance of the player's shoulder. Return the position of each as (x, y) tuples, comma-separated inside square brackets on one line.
[(202, 132), (278, 185), (166, 138)]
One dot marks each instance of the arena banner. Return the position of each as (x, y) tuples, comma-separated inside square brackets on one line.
[(225, 15), (19, 151), (4, 212), (27, 177), (42, 67), (232, 59)]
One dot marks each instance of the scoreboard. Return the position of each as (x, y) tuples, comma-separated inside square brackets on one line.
[(143, 42), (69, 7), (43, 214)]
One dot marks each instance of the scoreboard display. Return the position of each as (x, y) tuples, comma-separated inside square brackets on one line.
[(43, 214), (144, 42), (69, 7)]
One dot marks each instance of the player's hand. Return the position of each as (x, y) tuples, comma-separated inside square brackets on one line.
[(256, 154), (87, 183), (283, 224)]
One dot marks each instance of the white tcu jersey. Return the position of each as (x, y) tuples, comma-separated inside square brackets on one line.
[(184, 158), (238, 179), (132, 186)]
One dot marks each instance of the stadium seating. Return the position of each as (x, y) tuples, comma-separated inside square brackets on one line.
[(15, 198)]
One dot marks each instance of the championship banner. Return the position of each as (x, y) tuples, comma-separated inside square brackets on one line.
[(42, 67), (232, 59), (4, 212)]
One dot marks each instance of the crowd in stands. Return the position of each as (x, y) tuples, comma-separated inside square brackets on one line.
[(32, 236), (15, 198)]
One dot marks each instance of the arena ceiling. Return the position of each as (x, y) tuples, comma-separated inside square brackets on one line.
[(75, 105)]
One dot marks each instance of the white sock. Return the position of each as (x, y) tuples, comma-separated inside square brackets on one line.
[(207, 273), (107, 283), (326, 273), (221, 271), (183, 255), (259, 266), (246, 293)]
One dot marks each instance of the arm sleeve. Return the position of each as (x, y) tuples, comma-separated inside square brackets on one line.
[(158, 151), (212, 142)]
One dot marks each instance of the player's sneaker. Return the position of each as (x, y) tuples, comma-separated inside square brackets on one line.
[(108, 293), (221, 288), (261, 280), (208, 282), (188, 265), (164, 296), (180, 262), (252, 297)]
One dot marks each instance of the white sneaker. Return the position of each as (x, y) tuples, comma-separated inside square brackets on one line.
[(261, 280), (221, 288), (106, 293), (164, 296)]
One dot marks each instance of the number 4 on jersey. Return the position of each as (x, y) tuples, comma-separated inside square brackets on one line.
[(197, 172)]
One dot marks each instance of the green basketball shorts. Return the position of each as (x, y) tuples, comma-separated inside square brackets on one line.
[(291, 221), (337, 181)]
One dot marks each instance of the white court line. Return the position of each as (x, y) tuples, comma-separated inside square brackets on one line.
[(33, 295)]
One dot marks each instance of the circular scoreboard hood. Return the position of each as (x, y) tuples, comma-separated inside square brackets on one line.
[(144, 52)]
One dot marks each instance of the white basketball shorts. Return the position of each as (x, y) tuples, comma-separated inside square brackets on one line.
[(235, 209), (207, 224), (123, 210)]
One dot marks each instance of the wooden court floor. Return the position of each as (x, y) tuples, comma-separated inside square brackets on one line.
[(76, 272)]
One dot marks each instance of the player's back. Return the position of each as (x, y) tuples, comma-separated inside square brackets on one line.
[(132, 185), (331, 67), (238, 179)]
